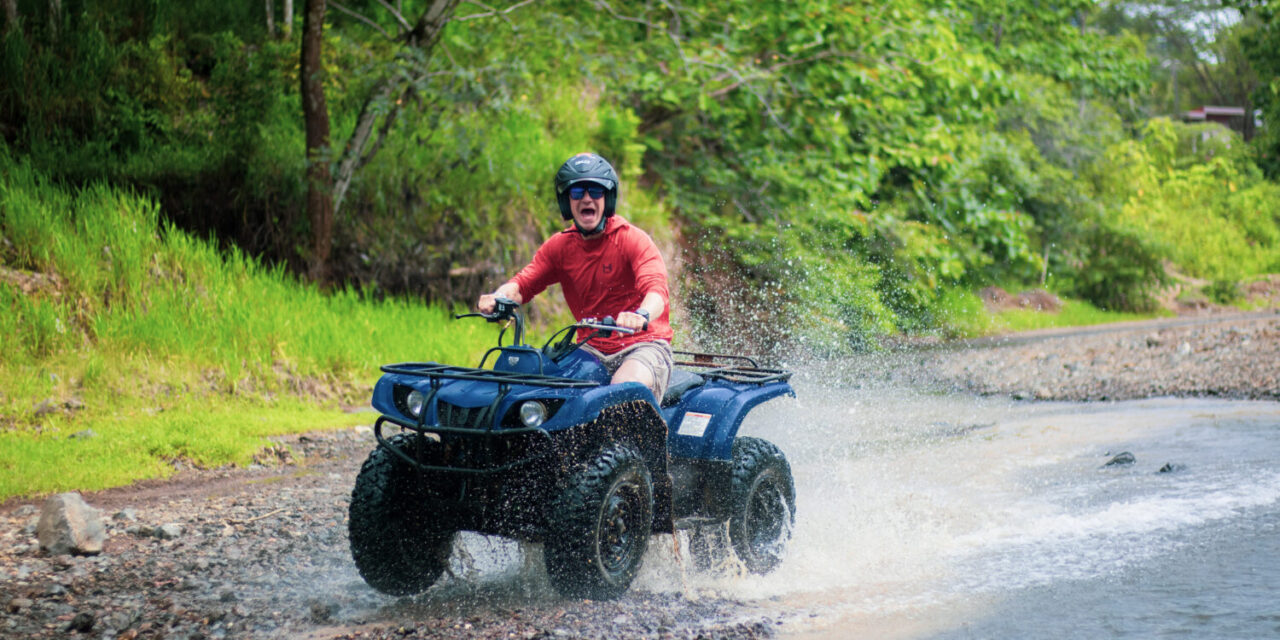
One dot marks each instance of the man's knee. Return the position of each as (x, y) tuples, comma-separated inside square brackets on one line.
[(634, 372)]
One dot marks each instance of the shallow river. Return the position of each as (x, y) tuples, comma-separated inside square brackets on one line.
[(926, 516), (938, 516)]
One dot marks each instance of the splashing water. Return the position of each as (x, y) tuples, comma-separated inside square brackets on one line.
[(937, 516)]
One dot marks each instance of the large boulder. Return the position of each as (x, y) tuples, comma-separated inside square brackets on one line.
[(69, 525)]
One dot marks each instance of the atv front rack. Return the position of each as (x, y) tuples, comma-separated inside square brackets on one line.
[(437, 370), (731, 368)]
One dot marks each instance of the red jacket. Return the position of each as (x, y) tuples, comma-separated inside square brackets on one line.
[(602, 277)]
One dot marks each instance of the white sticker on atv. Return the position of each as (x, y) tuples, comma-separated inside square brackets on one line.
[(694, 424)]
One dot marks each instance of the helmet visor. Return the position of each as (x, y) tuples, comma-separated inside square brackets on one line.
[(585, 182)]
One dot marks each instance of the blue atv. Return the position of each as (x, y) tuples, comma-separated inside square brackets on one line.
[(540, 447)]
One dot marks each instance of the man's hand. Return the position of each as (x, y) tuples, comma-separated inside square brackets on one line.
[(632, 320), (486, 303), (509, 290)]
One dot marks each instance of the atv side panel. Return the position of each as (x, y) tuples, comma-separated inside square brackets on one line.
[(727, 405)]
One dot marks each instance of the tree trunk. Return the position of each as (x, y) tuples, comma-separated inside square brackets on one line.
[(10, 14), (316, 115), (287, 19), (426, 33), (271, 20)]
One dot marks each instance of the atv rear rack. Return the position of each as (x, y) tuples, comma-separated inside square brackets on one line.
[(728, 368), (436, 370)]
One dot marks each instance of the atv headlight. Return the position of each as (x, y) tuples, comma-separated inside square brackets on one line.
[(415, 402), (533, 413)]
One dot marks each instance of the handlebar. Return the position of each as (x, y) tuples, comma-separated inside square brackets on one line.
[(503, 309), (508, 309), (607, 326)]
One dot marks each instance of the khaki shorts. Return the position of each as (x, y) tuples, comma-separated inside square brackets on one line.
[(655, 355)]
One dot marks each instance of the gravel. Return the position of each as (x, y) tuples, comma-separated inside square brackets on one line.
[(1228, 356), (262, 552)]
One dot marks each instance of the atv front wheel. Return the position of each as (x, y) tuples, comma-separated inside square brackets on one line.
[(763, 504), (398, 548), (599, 525)]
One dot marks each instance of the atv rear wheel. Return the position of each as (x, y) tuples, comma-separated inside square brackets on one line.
[(763, 504), (599, 525), (397, 546)]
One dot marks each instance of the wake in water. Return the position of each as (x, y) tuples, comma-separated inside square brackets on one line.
[(953, 508)]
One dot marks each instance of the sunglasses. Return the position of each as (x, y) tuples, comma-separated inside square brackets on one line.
[(596, 192)]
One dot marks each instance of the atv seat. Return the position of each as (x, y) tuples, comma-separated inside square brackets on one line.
[(680, 382)]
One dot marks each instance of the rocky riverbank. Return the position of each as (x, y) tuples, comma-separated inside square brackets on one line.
[(262, 553), (1221, 355)]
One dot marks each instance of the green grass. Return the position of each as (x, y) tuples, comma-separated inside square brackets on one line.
[(1074, 313), (967, 317), (167, 348), (134, 444)]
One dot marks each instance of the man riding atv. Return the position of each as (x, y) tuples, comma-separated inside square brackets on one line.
[(587, 445), (607, 268)]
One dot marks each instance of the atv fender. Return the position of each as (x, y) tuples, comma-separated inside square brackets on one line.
[(727, 409), (620, 413)]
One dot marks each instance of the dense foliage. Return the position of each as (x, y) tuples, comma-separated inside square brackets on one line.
[(857, 161)]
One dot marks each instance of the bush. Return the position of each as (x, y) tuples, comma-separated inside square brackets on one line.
[(1224, 291), (1116, 267)]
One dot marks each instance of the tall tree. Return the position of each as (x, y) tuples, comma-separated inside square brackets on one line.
[(315, 113), (418, 38), (1262, 46)]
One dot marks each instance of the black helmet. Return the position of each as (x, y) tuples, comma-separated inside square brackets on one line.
[(586, 167)]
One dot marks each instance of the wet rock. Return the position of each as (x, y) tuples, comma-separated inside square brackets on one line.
[(82, 623), (1170, 467), (69, 525), (18, 605), (170, 531), (323, 612), (1120, 459), (119, 621)]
